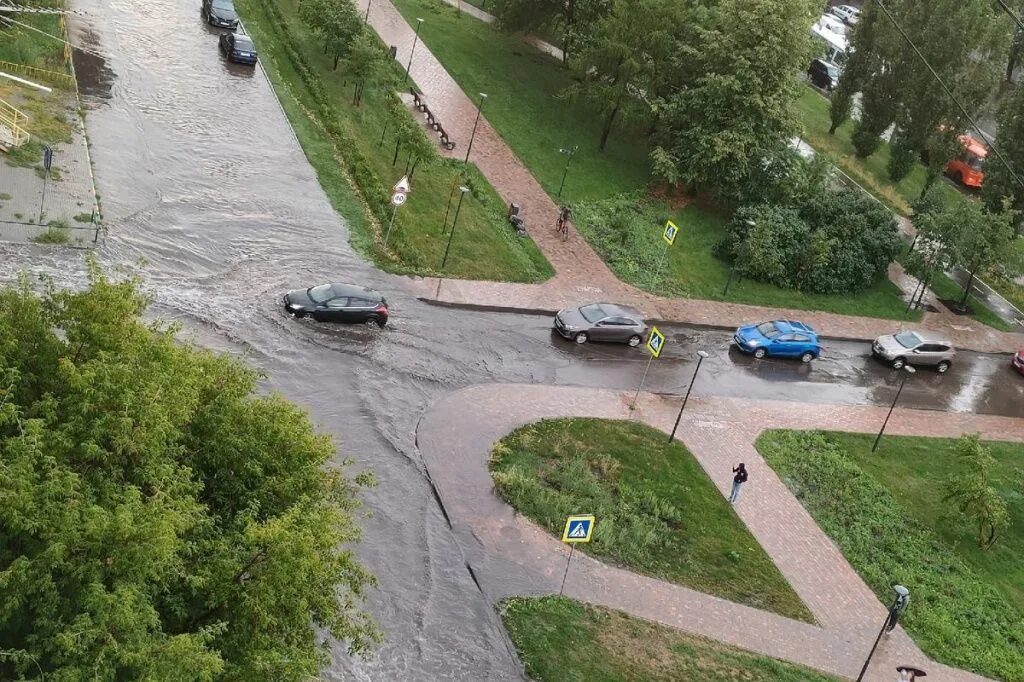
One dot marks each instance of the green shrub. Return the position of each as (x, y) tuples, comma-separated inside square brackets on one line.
[(954, 616), (902, 157), (54, 235)]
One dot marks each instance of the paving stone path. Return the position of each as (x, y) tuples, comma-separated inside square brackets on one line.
[(581, 274), (510, 555)]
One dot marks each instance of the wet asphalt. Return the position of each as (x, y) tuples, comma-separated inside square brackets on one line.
[(209, 198)]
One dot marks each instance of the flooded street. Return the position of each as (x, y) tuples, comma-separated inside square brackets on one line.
[(207, 194)]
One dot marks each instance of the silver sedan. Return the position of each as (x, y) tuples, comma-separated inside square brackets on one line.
[(602, 322)]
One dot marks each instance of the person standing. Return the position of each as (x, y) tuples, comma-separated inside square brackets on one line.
[(739, 478)]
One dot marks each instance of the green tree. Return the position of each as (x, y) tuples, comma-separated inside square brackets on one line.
[(1000, 187), (364, 62), (972, 492), (902, 157), (573, 19), (618, 70), (959, 39), (731, 102), (335, 23), (159, 519)]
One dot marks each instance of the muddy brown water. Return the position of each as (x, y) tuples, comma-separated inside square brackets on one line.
[(208, 195)]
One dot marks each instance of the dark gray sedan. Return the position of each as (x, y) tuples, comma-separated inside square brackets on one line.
[(602, 322)]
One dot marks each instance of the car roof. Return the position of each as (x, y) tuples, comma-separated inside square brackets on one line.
[(243, 37), (790, 326), (930, 337), (616, 309), (341, 289)]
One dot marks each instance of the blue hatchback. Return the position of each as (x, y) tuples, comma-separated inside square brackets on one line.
[(784, 338)]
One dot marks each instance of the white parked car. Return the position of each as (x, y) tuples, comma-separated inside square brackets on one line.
[(847, 13)]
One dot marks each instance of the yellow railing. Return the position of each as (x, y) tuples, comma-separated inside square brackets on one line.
[(15, 120), (41, 74)]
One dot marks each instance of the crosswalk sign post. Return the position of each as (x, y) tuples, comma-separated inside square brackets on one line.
[(655, 342), (669, 234), (578, 528)]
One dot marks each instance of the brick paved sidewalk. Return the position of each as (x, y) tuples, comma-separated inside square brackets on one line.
[(581, 274), (511, 555)]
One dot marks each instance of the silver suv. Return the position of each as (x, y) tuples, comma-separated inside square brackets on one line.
[(915, 348)]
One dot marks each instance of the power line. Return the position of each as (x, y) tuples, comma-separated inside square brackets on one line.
[(949, 92), (1009, 11)]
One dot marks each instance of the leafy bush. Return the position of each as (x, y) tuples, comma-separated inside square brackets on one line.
[(865, 141), (955, 616), (836, 242), (902, 157)]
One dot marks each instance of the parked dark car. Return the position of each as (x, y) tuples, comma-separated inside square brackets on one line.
[(238, 48), (220, 13), (338, 303), (824, 75), (602, 322)]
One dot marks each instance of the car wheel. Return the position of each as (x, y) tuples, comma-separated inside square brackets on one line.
[(807, 357), (959, 178), (898, 363), (634, 341), (942, 367), (760, 353), (374, 323), (581, 337)]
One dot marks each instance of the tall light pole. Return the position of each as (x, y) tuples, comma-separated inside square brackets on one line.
[(701, 356), (479, 110), (909, 370), (570, 153), (366, 19), (462, 194), (899, 605), (419, 25)]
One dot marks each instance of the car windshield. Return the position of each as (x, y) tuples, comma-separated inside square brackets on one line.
[(242, 43), (974, 161), (833, 72), (908, 339), (593, 312), (223, 4), (768, 329), (321, 293)]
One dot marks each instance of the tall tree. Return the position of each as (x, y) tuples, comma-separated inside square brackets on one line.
[(619, 67), (1000, 187), (972, 492), (573, 19), (959, 39), (335, 23), (730, 101), (159, 519), (364, 62)]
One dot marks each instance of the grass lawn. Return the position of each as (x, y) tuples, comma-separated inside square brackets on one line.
[(627, 235), (872, 173), (563, 640), (657, 511), (887, 514), (523, 105), (342, 143)]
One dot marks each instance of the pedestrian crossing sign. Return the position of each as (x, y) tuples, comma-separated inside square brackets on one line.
[(655, 342), (671, 230), (578, 528)]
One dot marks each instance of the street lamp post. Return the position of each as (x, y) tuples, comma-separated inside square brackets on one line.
[(899, 605), (909, 370), (366, 19), (701, 356), (570, 153), (479, 110), (415, 39), (462, 193)]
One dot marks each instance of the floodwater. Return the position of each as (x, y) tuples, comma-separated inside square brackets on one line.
[(208, 197)]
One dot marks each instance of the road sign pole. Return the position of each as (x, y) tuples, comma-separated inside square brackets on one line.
[(641, 386), (42, 200), (572, 548), (661, 266), (390, 224)]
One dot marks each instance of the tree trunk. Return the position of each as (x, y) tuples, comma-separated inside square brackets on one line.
[(570, 11), (412, 171), (967, 290), (355, 95), (832, 128), (1011, 62), (336, 58), (398, 145)]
